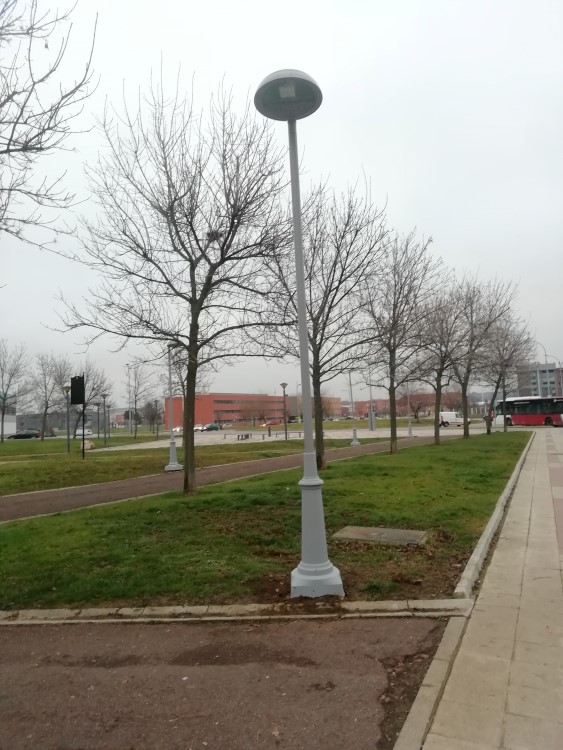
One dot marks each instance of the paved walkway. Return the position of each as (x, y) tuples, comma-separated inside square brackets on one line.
[(505, 689)]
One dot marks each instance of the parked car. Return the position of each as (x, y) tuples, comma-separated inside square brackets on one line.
[(226, 425), (211, 427), (198, 428), (178, 430), (25, 435), (272, 423)]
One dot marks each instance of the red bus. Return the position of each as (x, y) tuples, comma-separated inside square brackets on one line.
[(530, 411)]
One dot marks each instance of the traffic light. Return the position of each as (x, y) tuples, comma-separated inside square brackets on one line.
[(77, 393)]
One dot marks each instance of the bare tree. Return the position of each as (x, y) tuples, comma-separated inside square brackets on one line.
[(343, 238), (141, 388), (13, 376), (50, 375), (508, 344), (37, 110), (96, 383), (189, 213), (483, 305), (396, 301), (441, 330)]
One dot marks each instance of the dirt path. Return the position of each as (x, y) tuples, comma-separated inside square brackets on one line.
[(13, 507), (329, 684)]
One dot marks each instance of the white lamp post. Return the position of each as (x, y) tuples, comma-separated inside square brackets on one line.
[(355, 440), (129, 397), (290, 95), (284, 386), (66, 389), (173, 464), (104, 396)]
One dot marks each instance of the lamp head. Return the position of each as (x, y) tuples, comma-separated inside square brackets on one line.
[(288, 95)]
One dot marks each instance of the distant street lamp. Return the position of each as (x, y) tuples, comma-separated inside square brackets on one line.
[(355, 440), (156, 416), (98, 407), (173, 464), (284, 386), (66, 389), (128, 366), (104, 396), (290, 95)]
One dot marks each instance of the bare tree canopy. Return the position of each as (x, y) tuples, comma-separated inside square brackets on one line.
[(343, 239), (189, 213), (37, 110), (396, 302), (13, 379), (50, 375), (508, 345), (483, 305)]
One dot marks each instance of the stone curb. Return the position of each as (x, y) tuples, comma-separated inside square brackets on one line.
[(422, 711), (459, 608), (471, 572)]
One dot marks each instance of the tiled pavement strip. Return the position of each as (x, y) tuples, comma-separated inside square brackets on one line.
[(505, 689)]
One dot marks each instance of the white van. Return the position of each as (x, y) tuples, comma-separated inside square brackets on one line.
[(454, 418)]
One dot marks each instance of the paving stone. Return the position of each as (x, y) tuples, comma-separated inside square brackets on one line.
[(7, 615), (478, 680), (437, 742), (534, 702), (533, 653), (525, 733), (472, 723)]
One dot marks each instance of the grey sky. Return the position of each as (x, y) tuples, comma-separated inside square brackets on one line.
[(452, 110)]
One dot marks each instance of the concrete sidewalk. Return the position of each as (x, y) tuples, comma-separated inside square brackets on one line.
[(505, 689)]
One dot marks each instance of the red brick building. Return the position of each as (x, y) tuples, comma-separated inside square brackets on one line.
[(222, 408)]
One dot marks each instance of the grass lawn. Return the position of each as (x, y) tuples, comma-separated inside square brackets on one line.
[(58, 445), (24, 472), (239, 541)]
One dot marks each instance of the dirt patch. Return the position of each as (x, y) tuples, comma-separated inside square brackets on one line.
[(304, 685)]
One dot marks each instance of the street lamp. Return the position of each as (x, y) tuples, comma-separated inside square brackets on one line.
[(284, 386), (173, 464), (156, 416), (129, 397), (66, 389), (290, 95), (104, 396), (355, 440), (409, 411)]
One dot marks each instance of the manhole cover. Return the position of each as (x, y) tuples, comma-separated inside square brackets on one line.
[(381, 535)]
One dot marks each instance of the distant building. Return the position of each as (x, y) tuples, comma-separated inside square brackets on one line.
[(540, 379), (251, 408)]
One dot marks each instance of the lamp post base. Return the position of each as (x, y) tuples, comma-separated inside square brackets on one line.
[(173, 464), (306, 583), (355, 440)]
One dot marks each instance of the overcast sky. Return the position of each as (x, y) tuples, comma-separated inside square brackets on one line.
[(452, 109)]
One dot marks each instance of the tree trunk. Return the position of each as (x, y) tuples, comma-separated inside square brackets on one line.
[(43, 424), (488, 417), (393, 415), (318, 405), (190, 482), (464, 406), (437, 408)]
